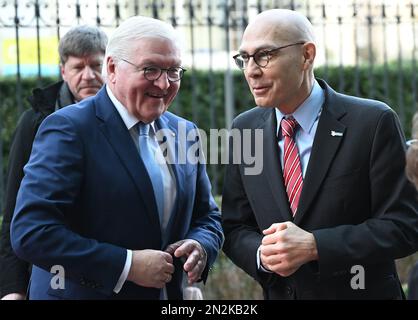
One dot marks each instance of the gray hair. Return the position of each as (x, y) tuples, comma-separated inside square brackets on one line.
[(135, 28), (82, 41)]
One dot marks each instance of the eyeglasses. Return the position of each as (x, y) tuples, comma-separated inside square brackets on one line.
[(261, 57), (154, 73)]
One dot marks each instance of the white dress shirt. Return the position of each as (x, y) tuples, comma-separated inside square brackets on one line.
[(169, 181), (307, 116)]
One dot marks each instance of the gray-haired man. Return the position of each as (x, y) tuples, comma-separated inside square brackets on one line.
[(81, 52)]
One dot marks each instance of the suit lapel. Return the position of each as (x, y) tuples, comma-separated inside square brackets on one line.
[(272, 171), (324, 148), (120, 139)]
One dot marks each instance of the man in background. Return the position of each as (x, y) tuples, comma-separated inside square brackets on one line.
[(81, 52)]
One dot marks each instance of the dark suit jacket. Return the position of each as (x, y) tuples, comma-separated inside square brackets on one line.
[(355, 199), (86, 197)]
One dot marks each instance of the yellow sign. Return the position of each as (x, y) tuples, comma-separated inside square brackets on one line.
[(29, 51)]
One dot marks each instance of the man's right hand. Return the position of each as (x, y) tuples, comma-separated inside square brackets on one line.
[(151, 268), (14, 296)]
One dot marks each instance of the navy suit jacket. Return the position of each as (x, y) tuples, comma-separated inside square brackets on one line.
[(86, 197)]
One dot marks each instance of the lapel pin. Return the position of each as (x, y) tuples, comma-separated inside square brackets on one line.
[(336, 134)]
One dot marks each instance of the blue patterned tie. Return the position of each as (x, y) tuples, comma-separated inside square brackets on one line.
[(147, 148)]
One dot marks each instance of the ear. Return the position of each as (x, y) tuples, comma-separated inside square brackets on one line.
[(62, 70), (309, 54), (111, 69)]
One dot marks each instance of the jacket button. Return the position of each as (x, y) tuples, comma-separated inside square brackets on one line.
[(289, 290)]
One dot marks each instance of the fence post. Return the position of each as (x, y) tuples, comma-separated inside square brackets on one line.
[(371, 56), (414, 60), (228, 85), (1, 167), (400, 71), (212, 105), (18, 75)]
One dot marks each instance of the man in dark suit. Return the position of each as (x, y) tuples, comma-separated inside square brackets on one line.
[(81, 52), (102, 204), (331, 209)]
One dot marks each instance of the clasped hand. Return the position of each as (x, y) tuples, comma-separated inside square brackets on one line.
[(285, 247), (195, 255), (154, 268)]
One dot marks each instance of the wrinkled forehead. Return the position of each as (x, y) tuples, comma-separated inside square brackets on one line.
[(93, 58), (157, 45), (156, 51)]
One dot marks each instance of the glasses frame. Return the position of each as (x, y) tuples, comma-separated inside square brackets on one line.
[(268, 53), (161, 71)]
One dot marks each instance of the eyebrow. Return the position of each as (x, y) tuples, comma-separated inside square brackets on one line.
[(265, 47), (154, 63)]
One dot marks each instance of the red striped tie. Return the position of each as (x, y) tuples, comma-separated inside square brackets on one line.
[(292, 173)]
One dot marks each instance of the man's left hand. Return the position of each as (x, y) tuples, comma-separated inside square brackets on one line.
[(285, 247), (195, 254)]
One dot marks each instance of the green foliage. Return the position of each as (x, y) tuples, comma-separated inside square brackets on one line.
[(390, 85), (194, 102), (9, 113)]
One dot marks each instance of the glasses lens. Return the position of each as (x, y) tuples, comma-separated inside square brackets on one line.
[(261, 58), (239, 61), (152, 73), (175, 74)]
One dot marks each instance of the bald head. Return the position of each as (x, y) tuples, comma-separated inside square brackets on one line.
[(280, 26), (277, 54)]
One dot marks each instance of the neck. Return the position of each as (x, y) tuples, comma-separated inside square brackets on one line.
[(303, 93)]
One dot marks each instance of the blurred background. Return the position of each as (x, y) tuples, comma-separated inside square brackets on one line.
[(366, 48)]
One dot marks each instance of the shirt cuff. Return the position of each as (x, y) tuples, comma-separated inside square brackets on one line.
[(259, 265), (125, 272)]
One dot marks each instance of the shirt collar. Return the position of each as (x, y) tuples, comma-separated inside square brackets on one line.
[(129, 119), (308, 111)]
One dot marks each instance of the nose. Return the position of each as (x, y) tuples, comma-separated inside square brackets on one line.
[(88, 73), (162, 82), (252, 69)]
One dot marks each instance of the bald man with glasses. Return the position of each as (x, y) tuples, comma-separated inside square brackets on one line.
[(331, 209)]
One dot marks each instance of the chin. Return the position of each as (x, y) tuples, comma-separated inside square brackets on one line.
[(152, 116), (87, 94), (261, 103)]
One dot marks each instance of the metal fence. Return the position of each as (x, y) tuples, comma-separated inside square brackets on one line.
[(350, 33)]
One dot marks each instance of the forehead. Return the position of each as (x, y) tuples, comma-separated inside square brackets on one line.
[(87, 59), (254, 46), (259, 38), (156, 50)]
